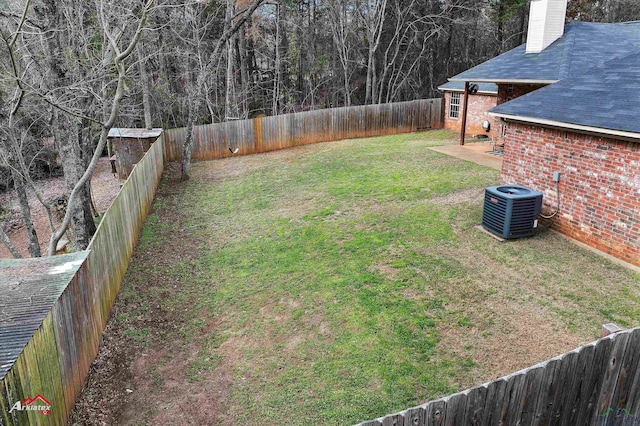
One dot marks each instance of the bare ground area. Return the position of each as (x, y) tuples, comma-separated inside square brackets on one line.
[(134, 382), (184, 348), (104, 186)]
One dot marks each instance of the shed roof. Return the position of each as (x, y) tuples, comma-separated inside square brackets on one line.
[(117, 132), (583, 46), (458, 86), (606, 98), (28, 290)]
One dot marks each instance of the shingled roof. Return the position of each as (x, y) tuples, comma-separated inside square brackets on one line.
[(583, 46), (606, 97), (28, 290)]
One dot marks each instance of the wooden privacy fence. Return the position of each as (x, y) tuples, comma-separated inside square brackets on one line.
[(57, 357), (596, 384), (289, 130)]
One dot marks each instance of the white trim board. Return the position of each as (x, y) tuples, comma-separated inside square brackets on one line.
[(479, 92), (503, 81), (568, 126)]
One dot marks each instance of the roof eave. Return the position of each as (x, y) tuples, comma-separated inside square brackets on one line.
[(479, 92), (503, 81), (569, 126), (134, 133)]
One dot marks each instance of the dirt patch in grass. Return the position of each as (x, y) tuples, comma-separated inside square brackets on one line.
[(518, 337), (464, 196), (164, 395), (125, 376)]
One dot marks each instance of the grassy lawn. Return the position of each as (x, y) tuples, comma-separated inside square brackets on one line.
[(338, 282)]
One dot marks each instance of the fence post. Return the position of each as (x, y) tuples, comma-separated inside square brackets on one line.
[(257, 134), (609, 328)]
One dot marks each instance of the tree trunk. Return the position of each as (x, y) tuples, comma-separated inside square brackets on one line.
[(277, 74), (230, 104), (7, 242), (300, 39), (144, 82), (20, 187), (523, 21), (245, 73), (369, 84), (74, 152), (188, 142), (500, 28), (339, 24), (374, 20), (283, 52)]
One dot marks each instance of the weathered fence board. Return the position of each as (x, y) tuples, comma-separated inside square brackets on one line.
[(302, 128), (632, 381), (436, 411), (55, 361), (628, 371), (527, 409), (596, 384), (475, 405), (415, 416)]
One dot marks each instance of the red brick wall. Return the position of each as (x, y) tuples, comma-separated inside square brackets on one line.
[(504, 95), (518, 90), (599, 187), (478, 106)]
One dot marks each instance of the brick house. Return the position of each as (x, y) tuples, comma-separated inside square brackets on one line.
[(569, 101), (477, 108)]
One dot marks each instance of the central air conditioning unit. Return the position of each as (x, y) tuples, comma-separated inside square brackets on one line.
[(511, 211)]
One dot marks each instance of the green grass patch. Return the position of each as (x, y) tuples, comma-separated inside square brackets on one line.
[(325, 279)]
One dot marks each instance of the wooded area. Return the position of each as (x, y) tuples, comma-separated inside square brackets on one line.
[(70, 70)]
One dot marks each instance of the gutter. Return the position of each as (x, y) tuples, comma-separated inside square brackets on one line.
[(503, 81), (599, 131), (479, 92)]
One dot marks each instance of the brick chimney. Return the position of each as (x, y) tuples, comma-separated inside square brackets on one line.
[(546, 23)]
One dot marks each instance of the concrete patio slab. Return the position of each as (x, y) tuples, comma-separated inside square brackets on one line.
[(473, 152)]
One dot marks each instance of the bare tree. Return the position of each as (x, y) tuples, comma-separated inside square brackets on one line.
[(71, 94), (144, 83), (10, 128), (231, 111), (340, 22), (197, 83), (373, 14)]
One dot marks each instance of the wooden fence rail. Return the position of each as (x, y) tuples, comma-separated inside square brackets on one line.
[(56, 360), (289, 130), (596, 384)]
